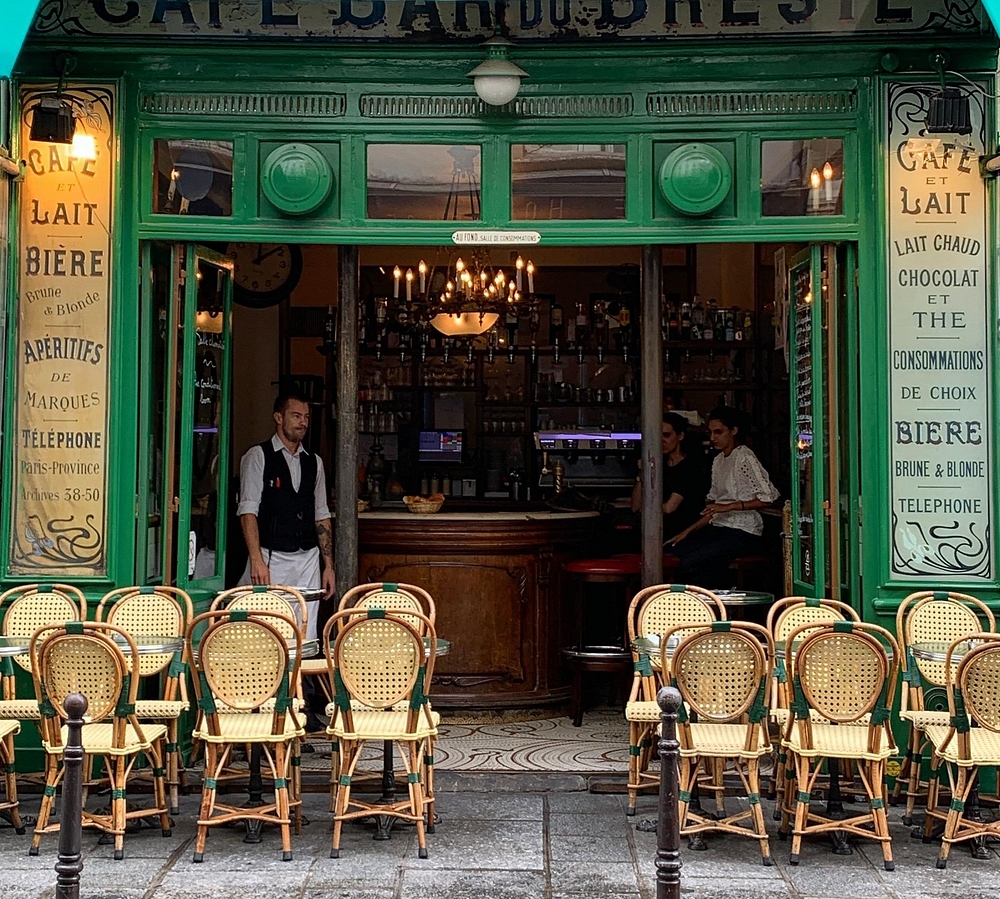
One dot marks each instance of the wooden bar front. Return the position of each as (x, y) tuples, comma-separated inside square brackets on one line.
[(495, 579)]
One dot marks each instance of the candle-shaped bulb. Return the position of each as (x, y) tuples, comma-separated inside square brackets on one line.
[(483, 276), (422, 268), (449, 287), (815, 179), (530, 269), (396, 275), (409, 285), (519, 265), (459, 265), (828, 170)]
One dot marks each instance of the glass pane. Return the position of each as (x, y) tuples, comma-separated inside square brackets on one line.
[(210, 341), (193, 177), (802, 303), (802, 177), (567, 181), (424, 181)]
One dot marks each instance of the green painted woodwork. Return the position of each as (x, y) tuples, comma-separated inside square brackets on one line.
[(695, 178), (729, 153), (296, 178), (350, 79)]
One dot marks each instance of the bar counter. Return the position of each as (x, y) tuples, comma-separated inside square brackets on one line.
[(495, 577)]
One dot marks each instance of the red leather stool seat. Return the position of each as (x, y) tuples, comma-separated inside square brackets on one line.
[(628, 567), (670, 563)]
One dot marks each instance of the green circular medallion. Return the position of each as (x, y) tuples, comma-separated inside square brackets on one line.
[(695, 179), (296, 178)]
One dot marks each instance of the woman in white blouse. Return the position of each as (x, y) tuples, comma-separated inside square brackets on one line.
[(730, 525)]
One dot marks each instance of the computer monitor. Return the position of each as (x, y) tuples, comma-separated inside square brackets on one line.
[(440, 446)]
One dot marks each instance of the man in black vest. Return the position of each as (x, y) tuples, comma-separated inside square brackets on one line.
[(284, 512)]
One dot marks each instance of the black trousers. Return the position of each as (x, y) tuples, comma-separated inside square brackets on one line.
[(705, 555)]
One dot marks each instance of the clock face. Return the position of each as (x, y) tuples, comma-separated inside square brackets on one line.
[(264, 273)]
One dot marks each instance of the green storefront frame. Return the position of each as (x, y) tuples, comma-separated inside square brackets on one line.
[(148, 73)]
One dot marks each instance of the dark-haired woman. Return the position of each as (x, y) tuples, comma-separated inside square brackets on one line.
[(729, 525), (684, 478)]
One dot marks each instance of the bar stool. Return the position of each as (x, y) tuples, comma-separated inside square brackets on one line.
[(670, 564), (614, 657)]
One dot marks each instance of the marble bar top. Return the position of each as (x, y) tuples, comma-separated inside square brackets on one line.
[(476, 516)]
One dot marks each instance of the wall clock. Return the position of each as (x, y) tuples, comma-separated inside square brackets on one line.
[(264, 273)]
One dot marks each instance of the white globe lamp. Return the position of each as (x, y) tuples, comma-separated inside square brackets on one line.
[(497, 80)]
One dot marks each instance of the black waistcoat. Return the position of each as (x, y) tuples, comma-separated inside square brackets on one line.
[(286, 518)]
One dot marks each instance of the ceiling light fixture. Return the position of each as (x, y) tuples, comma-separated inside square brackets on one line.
[(497, 80), (52, 120)]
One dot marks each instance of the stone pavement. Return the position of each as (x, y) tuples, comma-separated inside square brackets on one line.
[(500, 837)]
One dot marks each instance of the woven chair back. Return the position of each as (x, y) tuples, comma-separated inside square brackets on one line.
[(722, 671), (33, 606), (148, 611), (379, 659), (842, 673), (245, 661), (386, 595), (942, 617), (655, 610), (794, 611), (284, 601), (978, 679)]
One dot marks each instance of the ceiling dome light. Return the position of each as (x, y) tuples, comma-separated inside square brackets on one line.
[(497, 80)]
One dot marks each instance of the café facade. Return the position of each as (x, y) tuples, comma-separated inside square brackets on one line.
[(849, 142)]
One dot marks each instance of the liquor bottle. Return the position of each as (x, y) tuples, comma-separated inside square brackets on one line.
[(711, 314), (664, 319), (511, 322), (697, 314), (675, 326), (582, 321), (747, 325), (571, 332), (686, 321), (600, 324), (555, 323), (730, 330)]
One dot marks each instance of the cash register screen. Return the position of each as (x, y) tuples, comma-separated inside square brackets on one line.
[(440, 446)]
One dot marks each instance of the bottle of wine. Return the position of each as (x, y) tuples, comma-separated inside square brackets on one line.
[(555, 323), (686, 321)]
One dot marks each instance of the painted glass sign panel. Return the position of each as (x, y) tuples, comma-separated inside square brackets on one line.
[(802, 177), (59, 515), (193, 177), (420, 20), (424, 181), (939, 331), (567, 181)]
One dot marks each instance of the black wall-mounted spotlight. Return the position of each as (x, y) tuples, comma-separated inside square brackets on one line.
[(52, 119), (949, 113)]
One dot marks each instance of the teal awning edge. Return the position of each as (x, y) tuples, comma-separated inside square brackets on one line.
[(992, 8), (15, 20)]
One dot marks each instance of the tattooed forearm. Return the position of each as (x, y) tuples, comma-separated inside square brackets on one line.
[(324, 536)]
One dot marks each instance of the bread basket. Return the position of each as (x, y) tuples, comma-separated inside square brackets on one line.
[(424, 505)]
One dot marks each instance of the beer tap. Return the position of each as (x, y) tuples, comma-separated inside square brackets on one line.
[(555, 351), (600, 354), (625, 354), (447, 351), (510, 354), (468, 355), (534, 352), (579, 354)]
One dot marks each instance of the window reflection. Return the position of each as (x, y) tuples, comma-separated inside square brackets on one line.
[(193, 177), (567, 181), (424, 181), (802, 177)]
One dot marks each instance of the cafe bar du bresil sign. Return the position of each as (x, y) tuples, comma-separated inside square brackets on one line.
[(939, 342), (525, 20), (59, 511)]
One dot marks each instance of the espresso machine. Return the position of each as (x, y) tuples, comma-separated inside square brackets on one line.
[(600, 463)]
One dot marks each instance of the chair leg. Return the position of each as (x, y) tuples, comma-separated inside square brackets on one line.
[(904, 769), (207, 799), (173, 760), (933, 790), (963, 785), (116, 771), (916, 763), (757, 813), (335, 761), (801, 807), (576, 698), (428, 781), (280, 771), (347, 750), (159, 756), (634, 751), (416, 795), (876, 786), (10, 779)]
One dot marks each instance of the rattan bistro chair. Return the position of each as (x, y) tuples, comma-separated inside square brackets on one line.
[(379, 660), (25, 609), (84, 657), (969, 742), (9, 804), (243, 664), (723, 673), (929, 617), (653, 611), (842, 672), (159, 612)]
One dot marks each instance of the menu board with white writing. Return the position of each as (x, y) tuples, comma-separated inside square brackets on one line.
[(60, 434), (939, 336)]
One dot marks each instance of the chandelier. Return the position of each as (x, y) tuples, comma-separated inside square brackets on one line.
[(466, 297)]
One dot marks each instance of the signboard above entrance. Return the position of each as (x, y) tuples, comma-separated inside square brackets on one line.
[(423, 20), (483, 238)]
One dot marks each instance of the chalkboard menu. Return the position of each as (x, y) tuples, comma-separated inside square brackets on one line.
[(800, 277)]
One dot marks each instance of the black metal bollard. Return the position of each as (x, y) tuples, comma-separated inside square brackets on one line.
[(70, 862), (668, 828)]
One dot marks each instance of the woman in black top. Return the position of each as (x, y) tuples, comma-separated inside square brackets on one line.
[(684, 479)]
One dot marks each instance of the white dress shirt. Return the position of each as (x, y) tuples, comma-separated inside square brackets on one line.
[(739, 477), (252, 478)]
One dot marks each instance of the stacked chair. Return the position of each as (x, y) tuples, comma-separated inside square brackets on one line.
[(244, 684), (653, 611), (929, 617), (380, 670), (85, 657), (159, 612)]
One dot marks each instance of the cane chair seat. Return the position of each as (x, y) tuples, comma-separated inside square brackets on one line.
[(984, 748), (99, 739), (831, 741), (20, 709), (924, 718), (378, 725), (725, 740), (781, 716), (160, 708), (243, 662), (356, 706), (642, 710), (248, 729), (85, 657), (8, 728)]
